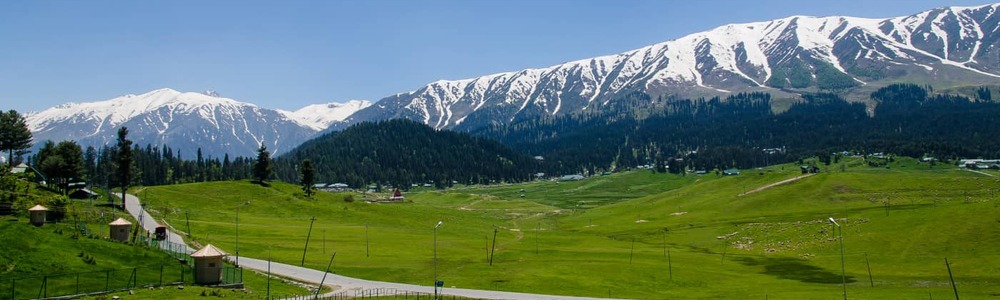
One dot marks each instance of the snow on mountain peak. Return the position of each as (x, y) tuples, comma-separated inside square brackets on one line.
[(321, 116), (791, 54), (121, 109)]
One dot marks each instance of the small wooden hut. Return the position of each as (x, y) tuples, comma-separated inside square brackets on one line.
[(37, 214), (120, 229), (208, 265)]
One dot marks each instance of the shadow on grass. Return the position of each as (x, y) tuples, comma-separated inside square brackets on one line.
[(794, 269)]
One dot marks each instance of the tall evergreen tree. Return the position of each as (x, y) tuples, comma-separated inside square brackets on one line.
[(14, 134), (63, 163), (308, 177), (125, 159), (262, 169), (90, 163), (983, 94), (47, 150)]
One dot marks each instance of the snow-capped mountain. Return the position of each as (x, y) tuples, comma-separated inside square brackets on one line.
[(183, 121), (321, 116), (945, 46)]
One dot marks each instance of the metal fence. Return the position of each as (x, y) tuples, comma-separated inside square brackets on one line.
[(98, 282), (82, 283), (231, 275), (381, 293), (181, 252)]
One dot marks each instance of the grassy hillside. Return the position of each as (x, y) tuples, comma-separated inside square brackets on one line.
[(610, 235), (57, 259), (26, 250)]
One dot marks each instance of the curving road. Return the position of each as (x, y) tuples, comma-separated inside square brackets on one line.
[(338, 283)]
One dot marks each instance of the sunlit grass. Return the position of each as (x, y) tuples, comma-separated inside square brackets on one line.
[(608, 235)]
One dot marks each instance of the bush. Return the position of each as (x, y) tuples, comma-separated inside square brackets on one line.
[(57, 207)]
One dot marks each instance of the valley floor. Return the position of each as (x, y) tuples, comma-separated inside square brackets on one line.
[(629, 235)]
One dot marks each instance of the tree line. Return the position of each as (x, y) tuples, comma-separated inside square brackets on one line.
[(742, 131), (124, 164), (666, 134)]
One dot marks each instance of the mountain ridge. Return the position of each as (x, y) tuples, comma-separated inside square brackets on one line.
[(184, 120), (788, 56)]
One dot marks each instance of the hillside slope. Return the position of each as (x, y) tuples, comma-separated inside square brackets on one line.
[(403, 152)]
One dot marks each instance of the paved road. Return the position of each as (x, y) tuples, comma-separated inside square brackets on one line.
[(338, 283), (134, 208)]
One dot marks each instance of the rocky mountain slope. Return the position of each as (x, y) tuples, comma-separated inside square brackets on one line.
[(185, 122), (944, 46)]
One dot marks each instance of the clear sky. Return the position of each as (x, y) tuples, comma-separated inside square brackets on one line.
[(288, 54)]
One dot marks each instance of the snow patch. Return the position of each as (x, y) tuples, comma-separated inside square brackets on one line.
[(321, 116)]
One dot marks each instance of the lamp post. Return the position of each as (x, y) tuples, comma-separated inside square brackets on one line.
[(238, 232), (843, 274), (436, 259), (142, 208)]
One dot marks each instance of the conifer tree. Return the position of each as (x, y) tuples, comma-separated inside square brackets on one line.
[(125, 159), (262, 169), (308, 177), (14, 134)]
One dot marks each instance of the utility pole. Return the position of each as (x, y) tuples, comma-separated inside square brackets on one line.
[(269, 273), (953, 287), (320, 287), (631, 252), (311, 221), (843, 274), (436, 259), (494, 248)]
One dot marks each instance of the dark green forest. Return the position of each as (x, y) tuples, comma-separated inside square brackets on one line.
[(403, 152), (65, 162), (708, 134)]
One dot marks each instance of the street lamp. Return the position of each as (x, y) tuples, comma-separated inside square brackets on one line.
[(436, 258), (843, 275), (238, 232)]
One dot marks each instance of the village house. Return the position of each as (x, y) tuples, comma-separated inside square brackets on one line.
[(979, 164), (772, 151), (573, 177), (397, 196)]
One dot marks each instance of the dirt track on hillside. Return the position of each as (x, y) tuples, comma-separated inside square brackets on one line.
[(786, 181)]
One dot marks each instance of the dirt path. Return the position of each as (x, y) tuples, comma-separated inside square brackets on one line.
[(468, 206), (786, 181), (980, 172)]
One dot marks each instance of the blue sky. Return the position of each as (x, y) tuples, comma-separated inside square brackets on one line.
[(288, 54)]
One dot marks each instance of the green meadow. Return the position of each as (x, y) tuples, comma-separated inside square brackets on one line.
[(633, 234), (59, 259)]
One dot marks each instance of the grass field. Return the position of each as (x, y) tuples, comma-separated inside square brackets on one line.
[(635, 234), (57, 260)]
